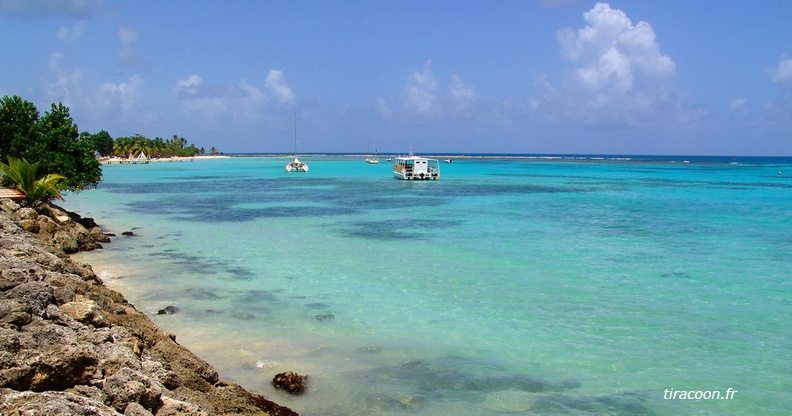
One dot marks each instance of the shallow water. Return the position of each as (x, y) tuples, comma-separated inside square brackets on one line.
[(510, 286)]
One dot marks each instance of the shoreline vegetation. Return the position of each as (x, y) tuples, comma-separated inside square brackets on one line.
[(69, 345), (111, 160)]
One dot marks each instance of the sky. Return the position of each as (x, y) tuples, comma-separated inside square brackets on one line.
[(671, 77)]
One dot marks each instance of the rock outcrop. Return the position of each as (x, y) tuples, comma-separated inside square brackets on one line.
[(290, 381), (71, 346)]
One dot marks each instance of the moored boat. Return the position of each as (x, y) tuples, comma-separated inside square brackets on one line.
[(416, 168), (296, 166)]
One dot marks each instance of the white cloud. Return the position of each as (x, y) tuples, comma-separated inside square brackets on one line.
[(278, 87), (782, 74), (126, 52), (66, 85), (213, 105), (251, 102), (73, 33), (620, 75), (420, 91), (464, 97), (119, 100), (189, 86)]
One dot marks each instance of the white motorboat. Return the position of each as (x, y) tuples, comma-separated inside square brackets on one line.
[(416, 168)]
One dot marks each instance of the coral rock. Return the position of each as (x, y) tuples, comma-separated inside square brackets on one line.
[(290, 381)]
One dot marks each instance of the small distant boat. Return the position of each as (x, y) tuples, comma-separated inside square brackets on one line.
[(372, 160), (449, 161), (296, 166), (416, 168)]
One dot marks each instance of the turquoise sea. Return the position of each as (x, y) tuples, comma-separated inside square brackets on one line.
[(571, 285)]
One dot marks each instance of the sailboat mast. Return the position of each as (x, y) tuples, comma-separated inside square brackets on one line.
[(295, 133)]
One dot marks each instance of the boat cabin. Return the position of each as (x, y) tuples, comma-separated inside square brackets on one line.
[(416, 168)]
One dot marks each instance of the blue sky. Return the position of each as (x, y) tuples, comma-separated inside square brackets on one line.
[(701, 77)]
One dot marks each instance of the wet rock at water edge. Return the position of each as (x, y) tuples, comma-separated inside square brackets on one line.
[(169, 310), (290, 381), (128, 233)]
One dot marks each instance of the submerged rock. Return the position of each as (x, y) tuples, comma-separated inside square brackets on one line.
[(324, 316), (168, 310)]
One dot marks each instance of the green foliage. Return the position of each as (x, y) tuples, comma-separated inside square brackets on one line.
[(101, 142), (52, 142), (37, 190), (132, 146), (18, 120)]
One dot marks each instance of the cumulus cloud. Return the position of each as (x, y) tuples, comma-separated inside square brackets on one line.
[(420, 91), (782, 74), (49, 8), (278, 87), (620, 75), (71, 34)]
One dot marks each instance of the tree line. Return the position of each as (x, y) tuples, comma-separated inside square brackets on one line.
[(51, 144), (157, 147)]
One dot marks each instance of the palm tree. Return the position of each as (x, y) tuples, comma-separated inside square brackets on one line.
[(38, 191)]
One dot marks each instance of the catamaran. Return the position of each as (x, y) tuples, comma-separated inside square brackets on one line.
[(296, 166)]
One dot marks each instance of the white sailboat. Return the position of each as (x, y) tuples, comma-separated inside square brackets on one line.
[(296, 166), (371, 160)]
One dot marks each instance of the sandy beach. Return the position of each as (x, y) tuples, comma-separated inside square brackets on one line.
[(118, 160)]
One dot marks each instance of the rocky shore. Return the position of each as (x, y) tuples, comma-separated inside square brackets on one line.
[(71, 346)]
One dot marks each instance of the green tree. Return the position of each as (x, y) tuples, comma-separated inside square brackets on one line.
[(60, 150), (37, 190), (102, 143), (18, 121), (52, 142)]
